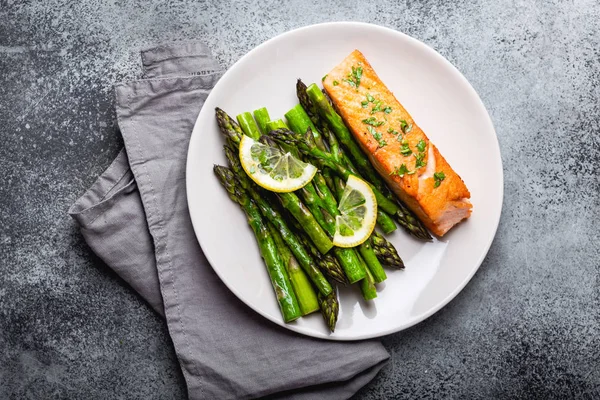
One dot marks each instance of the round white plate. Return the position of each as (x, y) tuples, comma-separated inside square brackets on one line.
[(440, 100)]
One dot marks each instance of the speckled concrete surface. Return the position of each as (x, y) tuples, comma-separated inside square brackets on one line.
[(528, 325)]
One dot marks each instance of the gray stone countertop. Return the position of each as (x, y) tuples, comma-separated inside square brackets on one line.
[(527, 325)]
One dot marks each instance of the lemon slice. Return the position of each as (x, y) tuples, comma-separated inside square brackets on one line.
[(358, 209), (273, 169)]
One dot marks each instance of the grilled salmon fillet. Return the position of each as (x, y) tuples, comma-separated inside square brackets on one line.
[(398, 149)]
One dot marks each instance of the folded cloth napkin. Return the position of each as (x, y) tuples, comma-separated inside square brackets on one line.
[(135, 218)]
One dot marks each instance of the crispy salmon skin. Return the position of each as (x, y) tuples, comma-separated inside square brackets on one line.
[(398, 149)]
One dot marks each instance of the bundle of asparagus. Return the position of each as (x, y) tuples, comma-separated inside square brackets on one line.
[(294, 230)]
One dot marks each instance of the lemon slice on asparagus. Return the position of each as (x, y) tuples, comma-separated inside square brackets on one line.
[(273, 169), (358, 214)]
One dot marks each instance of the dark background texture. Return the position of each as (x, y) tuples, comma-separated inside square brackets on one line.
[(527, 325)]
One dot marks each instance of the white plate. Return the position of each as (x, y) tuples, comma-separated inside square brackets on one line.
[(440, 100)]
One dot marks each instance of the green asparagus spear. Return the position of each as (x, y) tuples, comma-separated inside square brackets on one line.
[(233, 134), (328, 176), (309, 264), (307, 298), (299, 121), (248, 125), (411, 223), (386, 252), (326, 110), (292, 203), (329, 200), (275, 124), (348, 259), (306, 261), (340, 185), (262, 117), (284, 292), (279, 124), (313, 113), (337, 152), (330, 308), (373, 264), (304, 217), (229, 128), (326, 262), (386, 223), (367, 285), (307, 104), (315, 205)]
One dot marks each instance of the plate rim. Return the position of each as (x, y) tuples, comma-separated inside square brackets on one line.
[(499, 181)]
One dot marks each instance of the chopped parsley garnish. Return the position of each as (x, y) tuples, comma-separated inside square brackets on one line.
[(438, 177), (405, 150), (377, 104), (400, 171), (335, 83), (324, 77), (421, 145), (420, 162), (399, 138), (393, 131), (252, 169), (372, 121), (354, 77), (405, 126), (377, 136)]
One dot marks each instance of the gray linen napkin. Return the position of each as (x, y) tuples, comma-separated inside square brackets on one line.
[(135, 218)]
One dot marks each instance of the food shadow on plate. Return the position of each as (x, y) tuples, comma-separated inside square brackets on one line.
[(368, 307), (351, 301)]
